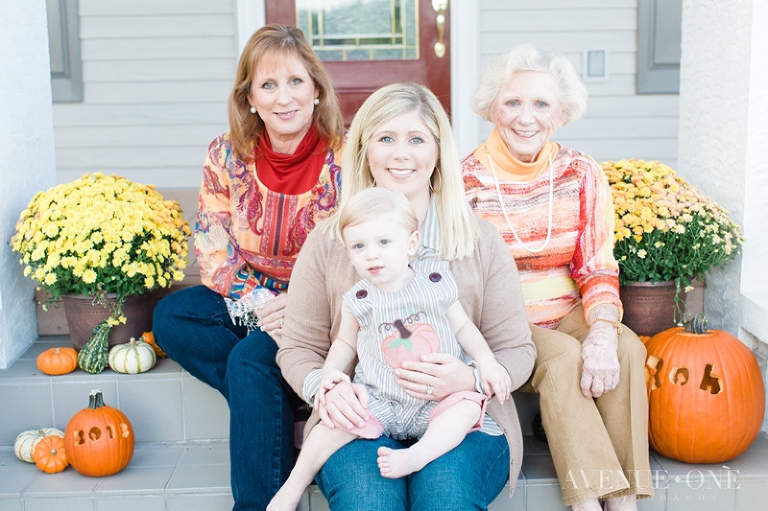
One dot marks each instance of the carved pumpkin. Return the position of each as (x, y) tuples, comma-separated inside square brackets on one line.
[(99, 439), (409, 342), (705, 392), (26, 441), (55, 361), (50, 454), (133, 357)]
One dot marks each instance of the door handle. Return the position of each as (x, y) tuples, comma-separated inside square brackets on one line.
[(440, 6)]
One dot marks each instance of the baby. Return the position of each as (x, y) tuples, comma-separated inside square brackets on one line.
[(399, 311)]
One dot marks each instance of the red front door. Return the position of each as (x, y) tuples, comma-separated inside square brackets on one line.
[(366, 45)]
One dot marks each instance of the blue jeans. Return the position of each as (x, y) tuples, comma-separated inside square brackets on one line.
[(466, 478), (193, 326)]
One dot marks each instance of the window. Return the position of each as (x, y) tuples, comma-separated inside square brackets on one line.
[(64, 46), (347, 30), (658, 46)]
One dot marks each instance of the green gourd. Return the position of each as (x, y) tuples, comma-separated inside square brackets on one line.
[(94, 355)]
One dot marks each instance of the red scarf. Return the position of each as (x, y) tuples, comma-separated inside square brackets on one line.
[(291, 174)]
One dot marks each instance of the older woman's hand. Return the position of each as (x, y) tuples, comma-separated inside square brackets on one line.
[(436, 376), (599, 352), (271, 315), (345, 406)]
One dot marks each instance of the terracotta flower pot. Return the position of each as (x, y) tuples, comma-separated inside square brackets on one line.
[(83, 315), (649, 307)]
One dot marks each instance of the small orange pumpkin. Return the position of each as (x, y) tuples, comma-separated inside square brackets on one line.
[(50, 454), (706, 394), (55, 361), (149, 338), (26, 441), (99, 439)]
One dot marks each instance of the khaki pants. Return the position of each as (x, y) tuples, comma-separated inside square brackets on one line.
[(599, 446)]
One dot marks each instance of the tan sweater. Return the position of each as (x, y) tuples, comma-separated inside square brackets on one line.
[(489, 290)]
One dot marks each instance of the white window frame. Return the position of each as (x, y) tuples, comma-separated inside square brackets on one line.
[(64, 47), (658, 46)]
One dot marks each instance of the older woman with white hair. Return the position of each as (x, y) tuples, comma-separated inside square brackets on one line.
[(552, 205)]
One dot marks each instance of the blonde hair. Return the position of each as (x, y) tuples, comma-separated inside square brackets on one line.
[(458, 225), (274, 40), (373, 203), (526, 57)]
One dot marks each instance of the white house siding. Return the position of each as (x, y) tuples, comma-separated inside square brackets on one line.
[(618, 123), (156, 76)]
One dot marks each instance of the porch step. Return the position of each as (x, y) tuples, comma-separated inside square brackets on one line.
[(181, 460)]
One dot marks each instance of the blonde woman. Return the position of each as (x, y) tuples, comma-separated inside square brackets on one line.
[(401, 139)]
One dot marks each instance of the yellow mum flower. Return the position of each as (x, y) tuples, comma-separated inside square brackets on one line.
[(89, 276), (73, 237), (664, 228)]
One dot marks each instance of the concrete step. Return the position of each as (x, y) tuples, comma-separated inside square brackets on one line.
[(165, 404), (181, 460)]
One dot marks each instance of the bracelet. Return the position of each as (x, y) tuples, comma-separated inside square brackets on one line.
[(618, 325)]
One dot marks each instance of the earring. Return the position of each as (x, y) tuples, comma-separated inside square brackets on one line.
[(253, 109), (317, 101), (438, 183)]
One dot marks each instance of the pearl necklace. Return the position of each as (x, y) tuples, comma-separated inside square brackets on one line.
[(504, 209)]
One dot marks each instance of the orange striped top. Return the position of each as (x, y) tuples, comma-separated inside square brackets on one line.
[(577, 265)]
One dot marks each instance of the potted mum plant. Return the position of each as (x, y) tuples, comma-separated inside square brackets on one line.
[(105, 240), (666, 233)]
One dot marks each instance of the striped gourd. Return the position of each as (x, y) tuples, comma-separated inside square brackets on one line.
[(26, 441), (93, 357), (133, 357)]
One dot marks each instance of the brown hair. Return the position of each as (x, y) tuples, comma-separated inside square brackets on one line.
[(246, 129)]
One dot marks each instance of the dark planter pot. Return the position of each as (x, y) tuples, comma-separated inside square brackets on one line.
[(83, 315), (649, 307)]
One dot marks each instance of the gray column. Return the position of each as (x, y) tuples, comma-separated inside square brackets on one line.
[(27, 157)]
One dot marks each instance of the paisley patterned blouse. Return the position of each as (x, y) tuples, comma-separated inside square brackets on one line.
[(247, 235)]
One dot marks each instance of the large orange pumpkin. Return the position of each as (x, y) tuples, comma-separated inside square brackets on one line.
[(706, 394), (99, 439)]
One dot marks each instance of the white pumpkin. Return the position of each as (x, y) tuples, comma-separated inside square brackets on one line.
[(135, 356), (25, 443)]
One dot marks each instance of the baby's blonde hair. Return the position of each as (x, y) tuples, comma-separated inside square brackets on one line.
[(373, 203)]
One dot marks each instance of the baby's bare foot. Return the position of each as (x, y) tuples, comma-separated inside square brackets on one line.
[(394, 463), (287, 499)]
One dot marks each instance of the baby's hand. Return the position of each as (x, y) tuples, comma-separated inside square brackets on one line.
[(496, 380), (329, 380)]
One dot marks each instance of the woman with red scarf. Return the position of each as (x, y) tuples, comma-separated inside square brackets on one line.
[(267, 183)]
